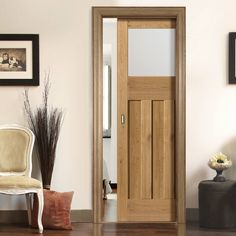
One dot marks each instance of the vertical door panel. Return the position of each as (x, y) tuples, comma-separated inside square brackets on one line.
[(140, 149), (158, 149), (135, 171), (122, 129), (163, 149), (146, 149)]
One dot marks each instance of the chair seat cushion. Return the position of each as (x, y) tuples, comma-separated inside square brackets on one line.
[(18, 182)]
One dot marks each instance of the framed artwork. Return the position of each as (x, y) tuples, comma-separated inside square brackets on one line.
[(19, 59), (232, 54)]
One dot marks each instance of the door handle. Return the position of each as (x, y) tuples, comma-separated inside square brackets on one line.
[(122, 119)]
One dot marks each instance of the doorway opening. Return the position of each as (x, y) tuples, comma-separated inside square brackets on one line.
[(100, 13), (109, 211)]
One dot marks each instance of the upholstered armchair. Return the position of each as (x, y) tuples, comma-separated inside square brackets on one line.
[(16, 146)]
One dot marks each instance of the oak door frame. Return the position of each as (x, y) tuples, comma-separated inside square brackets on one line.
[(177, 13)]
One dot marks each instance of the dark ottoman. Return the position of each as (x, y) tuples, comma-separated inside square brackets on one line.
[(217, 204)]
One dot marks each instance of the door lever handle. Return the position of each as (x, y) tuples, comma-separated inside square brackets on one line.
[(122, 119)]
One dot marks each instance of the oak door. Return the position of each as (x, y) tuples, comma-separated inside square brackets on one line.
[(146, 120)]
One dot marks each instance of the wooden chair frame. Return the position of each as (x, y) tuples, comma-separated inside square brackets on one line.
[(27, 172)]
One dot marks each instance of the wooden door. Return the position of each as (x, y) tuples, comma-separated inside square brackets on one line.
[(146, 120)]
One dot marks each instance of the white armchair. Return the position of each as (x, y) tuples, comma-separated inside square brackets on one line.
[(16, 146)]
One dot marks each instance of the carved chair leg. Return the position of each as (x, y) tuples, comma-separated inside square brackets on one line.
[(29, 206), (40, 210)]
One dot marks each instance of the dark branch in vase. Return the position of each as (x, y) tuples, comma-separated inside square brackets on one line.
[(46, 123)]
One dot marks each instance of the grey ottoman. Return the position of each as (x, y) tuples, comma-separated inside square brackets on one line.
[(217, 204)]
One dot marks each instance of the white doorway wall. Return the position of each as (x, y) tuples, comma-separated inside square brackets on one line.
[(110, 58)]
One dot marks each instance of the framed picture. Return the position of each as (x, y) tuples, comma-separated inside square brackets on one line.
[(232, 54), (19, 59)]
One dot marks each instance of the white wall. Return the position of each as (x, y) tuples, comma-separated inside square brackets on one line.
[(65, 47)]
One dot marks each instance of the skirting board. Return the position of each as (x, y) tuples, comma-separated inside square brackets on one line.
[(192, 214), (20, 216)]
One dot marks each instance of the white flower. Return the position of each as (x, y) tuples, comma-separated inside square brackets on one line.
[(220, 162)]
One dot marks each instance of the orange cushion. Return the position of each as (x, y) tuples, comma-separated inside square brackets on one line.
[(56, 212)]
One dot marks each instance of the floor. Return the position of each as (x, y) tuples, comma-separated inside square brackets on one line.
[(110, 208), (193, 229), (112, 229)]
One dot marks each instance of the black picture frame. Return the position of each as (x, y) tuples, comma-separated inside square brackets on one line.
[(30, 75), (232, 72)]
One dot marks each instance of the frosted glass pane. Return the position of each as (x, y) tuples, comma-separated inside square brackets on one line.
[(151, 52)]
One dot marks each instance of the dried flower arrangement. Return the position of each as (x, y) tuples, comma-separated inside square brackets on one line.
[(46, 123)]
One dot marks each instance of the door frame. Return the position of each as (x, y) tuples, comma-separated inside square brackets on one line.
[(178, 13)]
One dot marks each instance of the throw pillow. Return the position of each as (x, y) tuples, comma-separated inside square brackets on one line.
[(56, 212)]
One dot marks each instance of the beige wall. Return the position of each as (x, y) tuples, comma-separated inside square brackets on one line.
[(65, 48)]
